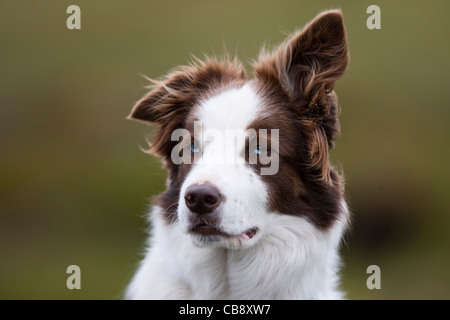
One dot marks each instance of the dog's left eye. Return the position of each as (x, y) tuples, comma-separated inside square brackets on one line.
[(257, 150), (194, 148)]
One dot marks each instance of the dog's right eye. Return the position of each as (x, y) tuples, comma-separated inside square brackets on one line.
[(194, 148), (258, 150)]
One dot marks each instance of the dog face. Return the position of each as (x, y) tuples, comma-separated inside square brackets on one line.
[(240, 151)]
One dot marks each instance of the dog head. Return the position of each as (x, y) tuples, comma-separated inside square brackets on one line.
[(241, 151)]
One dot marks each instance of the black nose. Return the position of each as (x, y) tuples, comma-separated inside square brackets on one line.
[(202, 199)]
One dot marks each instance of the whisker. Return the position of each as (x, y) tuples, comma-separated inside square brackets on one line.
[(170, 212)]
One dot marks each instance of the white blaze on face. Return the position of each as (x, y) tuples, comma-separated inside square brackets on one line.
[(224, 119)]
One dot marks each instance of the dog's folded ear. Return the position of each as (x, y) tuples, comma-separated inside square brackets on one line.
[(171, 99), (306, 67), (179, 90), (165, 99)]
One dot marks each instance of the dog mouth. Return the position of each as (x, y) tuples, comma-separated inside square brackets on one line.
[(208, 230)]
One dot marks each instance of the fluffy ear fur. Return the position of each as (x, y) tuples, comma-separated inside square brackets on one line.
[(306, 67), (170, 99)]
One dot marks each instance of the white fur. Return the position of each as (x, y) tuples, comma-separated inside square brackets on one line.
[(224, 118), (288, 258), (293, 260)]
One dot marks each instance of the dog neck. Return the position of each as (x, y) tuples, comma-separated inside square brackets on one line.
[(292, 261)]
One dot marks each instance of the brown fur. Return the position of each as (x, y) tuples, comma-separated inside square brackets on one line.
[(170, 105), (306, 67), (296, 83)]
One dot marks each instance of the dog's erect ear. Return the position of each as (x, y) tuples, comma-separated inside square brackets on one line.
[(309, 63), (306, 67)]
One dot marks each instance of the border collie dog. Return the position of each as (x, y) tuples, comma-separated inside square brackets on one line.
[(253, 208)]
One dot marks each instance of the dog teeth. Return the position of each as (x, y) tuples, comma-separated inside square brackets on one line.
[(248, 234)]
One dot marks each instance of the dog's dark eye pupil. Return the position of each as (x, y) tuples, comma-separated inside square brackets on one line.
[(194, 148)]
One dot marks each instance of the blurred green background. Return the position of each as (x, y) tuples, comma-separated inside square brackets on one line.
[(74, 185)]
